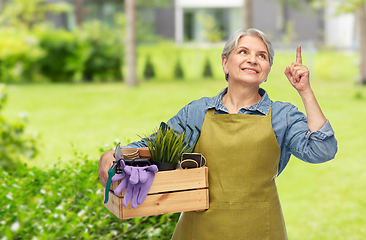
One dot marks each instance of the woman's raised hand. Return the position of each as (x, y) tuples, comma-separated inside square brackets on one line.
[(298, 74)]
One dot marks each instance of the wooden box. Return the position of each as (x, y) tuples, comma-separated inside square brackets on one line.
[(179, 190)]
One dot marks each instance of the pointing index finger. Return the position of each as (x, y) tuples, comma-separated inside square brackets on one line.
[(298, 54)]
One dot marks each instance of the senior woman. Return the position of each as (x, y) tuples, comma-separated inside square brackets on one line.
[(247, 140)]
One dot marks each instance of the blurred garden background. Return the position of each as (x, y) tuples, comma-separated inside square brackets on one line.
[(78, 76)]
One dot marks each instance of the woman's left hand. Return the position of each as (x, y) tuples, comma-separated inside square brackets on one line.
[(298, 74)]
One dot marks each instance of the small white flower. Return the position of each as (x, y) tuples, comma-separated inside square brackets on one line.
[(59, 207), (16, 186), (9, 196), (15, 226), (43, 191), (114, 232), (47, 211), (99, 192), (62, 217), (82, 212), (2, 222)]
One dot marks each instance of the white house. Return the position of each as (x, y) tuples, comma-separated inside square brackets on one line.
[(187, 20)]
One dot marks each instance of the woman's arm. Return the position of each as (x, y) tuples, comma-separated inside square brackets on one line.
[(106, 160), (105, 163), (298, 75)]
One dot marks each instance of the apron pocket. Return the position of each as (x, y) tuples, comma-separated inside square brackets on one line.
[(249, 221)]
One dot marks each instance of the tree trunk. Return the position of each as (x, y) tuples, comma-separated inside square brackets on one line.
[(361, 19), (130, 50), (2, 4), (78, 12), (247, 12)]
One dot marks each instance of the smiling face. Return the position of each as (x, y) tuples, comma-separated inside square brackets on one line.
[(249, 62)]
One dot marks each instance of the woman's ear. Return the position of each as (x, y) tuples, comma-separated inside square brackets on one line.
[(265, 80), (225, 64)]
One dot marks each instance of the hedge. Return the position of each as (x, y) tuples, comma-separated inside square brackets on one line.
[(67, 203), (96, 53)]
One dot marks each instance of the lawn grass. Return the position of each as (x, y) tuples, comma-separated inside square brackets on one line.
[(326, 201)]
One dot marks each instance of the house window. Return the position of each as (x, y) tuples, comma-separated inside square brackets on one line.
[(209, 24), (103, 11), (204, 24)]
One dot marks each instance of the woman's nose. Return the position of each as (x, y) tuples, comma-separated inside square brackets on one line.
[(251, 58)]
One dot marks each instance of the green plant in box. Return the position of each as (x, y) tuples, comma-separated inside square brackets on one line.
[(166, 146)]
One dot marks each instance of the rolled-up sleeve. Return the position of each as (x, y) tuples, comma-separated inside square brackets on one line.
[(312, 147)]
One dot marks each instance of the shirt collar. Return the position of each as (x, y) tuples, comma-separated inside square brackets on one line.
[(262, 106)]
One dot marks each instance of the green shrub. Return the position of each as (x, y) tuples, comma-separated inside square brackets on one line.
[(67, 203), (178, 71), (207, 72), (106, 52), (66, 55), (168, 59), (19, 52), (15, 145), (149, 71)]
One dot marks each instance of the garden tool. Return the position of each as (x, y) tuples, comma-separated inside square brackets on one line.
[(184, 131), (116, 168), (189, 150), (196, 140), (164, 126)]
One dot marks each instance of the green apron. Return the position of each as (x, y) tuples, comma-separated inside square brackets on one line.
[(242, 156)]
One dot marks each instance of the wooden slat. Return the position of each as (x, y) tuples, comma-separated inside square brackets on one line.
[(176, 180), (114, 204), (172, 191), (195, 200)]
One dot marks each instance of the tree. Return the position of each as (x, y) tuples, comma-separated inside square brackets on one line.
[(247, 12), (343, 6), (79, 12), (359, 8), (130, 8), (26, 14), (361, 19), (131, 43)]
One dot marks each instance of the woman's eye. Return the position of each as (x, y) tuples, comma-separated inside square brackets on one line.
[(262, 56), (243, 51)]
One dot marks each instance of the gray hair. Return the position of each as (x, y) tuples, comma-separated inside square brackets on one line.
[(233, 40)]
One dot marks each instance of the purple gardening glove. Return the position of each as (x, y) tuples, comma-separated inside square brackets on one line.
[(139, 182), (118, 177)]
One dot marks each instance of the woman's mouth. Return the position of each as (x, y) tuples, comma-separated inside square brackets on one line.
[(250, 70)]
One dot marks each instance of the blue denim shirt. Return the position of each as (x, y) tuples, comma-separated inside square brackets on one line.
[(289, 125)]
